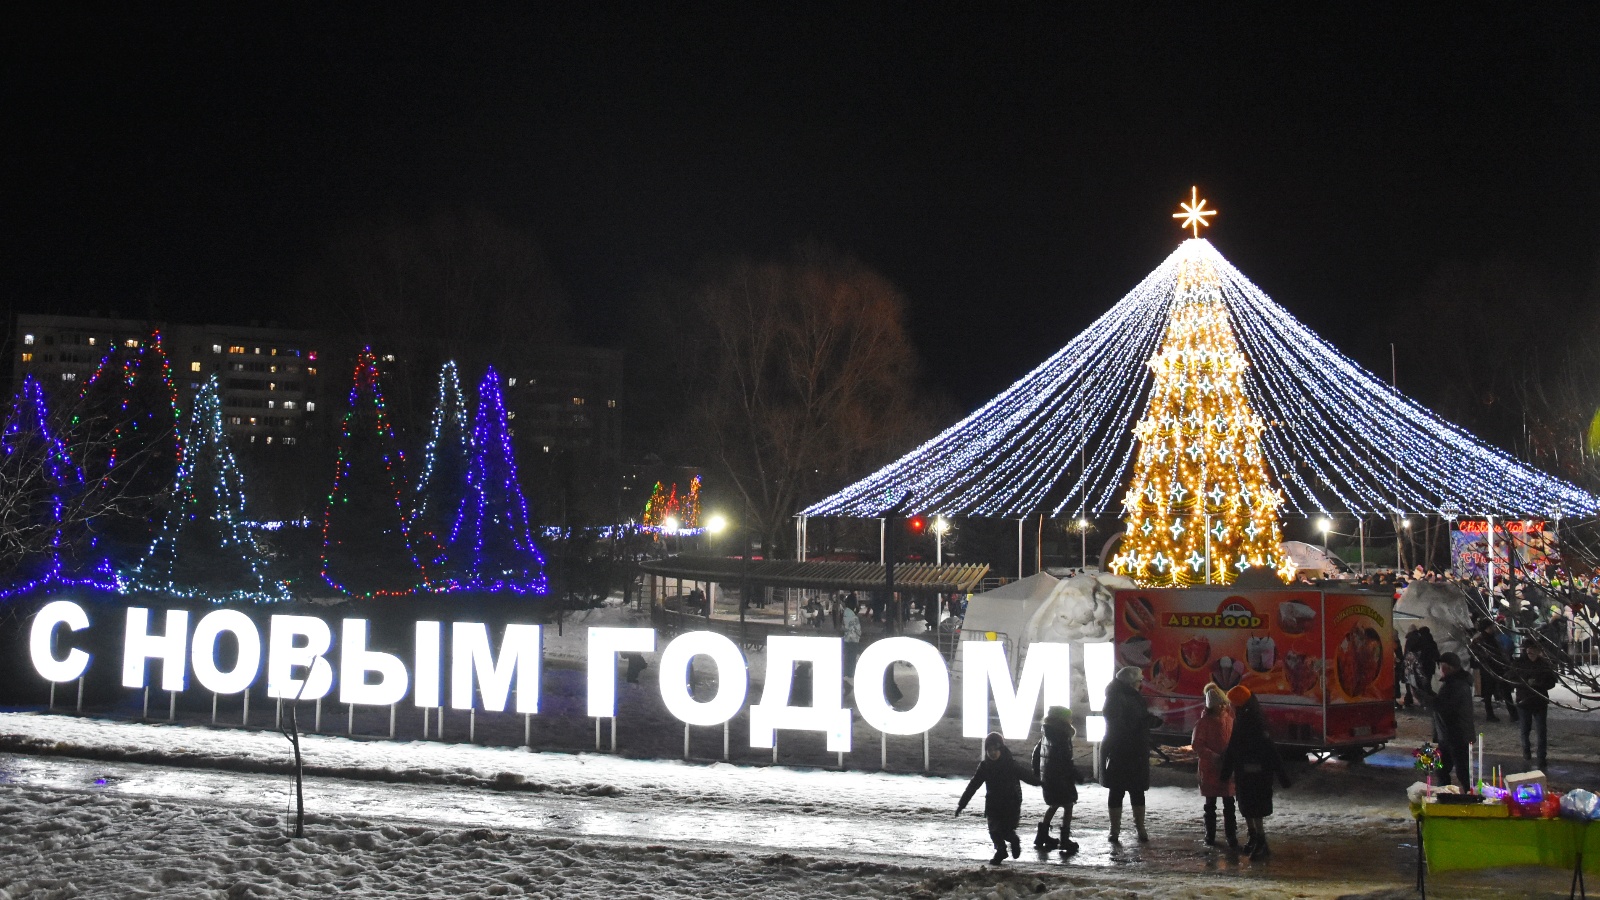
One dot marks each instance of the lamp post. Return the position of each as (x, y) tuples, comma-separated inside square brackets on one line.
[(941, 527), (1083, 544), (1324, 525)]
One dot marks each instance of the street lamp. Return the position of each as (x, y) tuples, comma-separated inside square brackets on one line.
[(717, 524), (941, 527), (1083, 544), (1324, 525)]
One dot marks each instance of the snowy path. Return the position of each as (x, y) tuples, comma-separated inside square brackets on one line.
[(600, 824)]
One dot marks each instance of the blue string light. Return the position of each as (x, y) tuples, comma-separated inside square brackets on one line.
[(49, 484), (1335, 437), (492, 528), (446, 459)]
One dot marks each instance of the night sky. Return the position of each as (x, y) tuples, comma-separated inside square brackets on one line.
[(1011, 167)]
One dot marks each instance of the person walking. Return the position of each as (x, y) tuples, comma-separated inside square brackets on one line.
[(1491, 664), (1058, 774), (1427, 662), (1411, 664), (1126, 750), (1452, 720), (1002, 798), (1210, 742), (1252, 762), (851, 629), (1533, 678)]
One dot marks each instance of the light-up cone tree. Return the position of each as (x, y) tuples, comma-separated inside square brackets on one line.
[(46, 508), (442, 486), (367, 547), (491, 529), (204, 548), (126, 422), (1200, 507)]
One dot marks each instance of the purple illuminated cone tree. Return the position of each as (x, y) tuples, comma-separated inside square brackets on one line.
[(491, 529), (367, 546), (45, 539)]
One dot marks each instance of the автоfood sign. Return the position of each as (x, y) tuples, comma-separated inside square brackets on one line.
[(298, 656)]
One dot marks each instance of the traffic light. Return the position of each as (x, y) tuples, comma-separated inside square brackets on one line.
[(916, 524)]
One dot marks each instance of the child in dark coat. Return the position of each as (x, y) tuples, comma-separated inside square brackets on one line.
[(1002, 801), (1059, 776)]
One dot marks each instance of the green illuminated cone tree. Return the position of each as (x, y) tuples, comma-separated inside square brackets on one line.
[(204, 548), (1200, 508)]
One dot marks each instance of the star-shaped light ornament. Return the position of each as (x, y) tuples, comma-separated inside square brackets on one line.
[(1195, 560), (1194, 213), (1176, 529)]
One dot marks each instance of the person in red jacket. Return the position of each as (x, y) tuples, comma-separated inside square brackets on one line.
[(1210, 741)]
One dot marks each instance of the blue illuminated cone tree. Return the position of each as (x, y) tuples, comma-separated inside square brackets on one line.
[(367, 546), (204, 548), (45, 538), (492, 528)]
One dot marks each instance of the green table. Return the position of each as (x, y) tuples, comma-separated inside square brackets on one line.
[(1451, 843)]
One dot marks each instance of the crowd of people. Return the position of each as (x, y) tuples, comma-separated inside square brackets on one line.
[(1237, 760)]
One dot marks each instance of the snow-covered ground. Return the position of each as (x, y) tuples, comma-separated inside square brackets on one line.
[(424, 818)]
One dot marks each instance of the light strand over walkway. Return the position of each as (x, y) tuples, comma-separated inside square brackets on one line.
[(1060, 441)]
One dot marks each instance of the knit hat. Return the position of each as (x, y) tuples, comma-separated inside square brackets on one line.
[(1056, 714), (995, 741), (1213, 696), (1239, 695), (1450, 659)]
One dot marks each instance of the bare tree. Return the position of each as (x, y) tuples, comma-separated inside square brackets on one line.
[(800, 376)]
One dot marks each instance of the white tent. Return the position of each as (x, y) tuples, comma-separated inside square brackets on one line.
[(1314, 561), (1003, 614)]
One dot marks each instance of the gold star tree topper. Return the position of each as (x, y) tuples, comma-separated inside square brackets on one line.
[(1194, 213)]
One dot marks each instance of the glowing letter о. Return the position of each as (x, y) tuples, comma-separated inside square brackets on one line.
[(732, 680)]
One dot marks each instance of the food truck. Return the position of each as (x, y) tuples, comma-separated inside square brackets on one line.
[(1320, 660)]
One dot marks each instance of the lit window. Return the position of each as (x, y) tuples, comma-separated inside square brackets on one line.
[(311, 406), (510, 416), (289, 441), (511, 382), (233, 420), (577, 401), (235, 348), (91, 342), (271, 386), (288, 404), (269, 439), (28, 339), (252, 422), (252, 437), (194, 367), (311, 370), (547, 448), (611, 404), (215, 348), (27, 357), (272, 404), (258, 351), (69, 376), (388, 357), (272, 368), (131, 344), (274, 353)]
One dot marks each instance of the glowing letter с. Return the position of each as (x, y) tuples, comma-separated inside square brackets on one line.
[(42, 636)]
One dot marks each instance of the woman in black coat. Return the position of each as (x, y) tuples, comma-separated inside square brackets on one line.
[(1252, 762), (1058, 775), (1002, 802), (1126, 749)]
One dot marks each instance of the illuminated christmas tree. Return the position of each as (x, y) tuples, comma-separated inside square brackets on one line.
[(367, 547), (443, 484), (491, 529), (665, 506), (1200, 508), (44, 520), (204, 548), (127, 424)]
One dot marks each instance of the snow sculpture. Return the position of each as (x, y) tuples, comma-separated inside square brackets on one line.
[(1079, 611)]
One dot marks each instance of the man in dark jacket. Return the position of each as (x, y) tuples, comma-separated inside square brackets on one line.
[(1452, 719), (1002, 802), (1491, 663), (1533, 677)]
